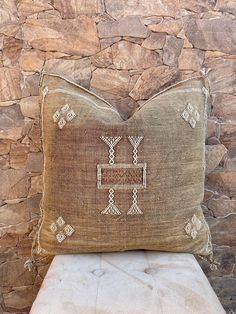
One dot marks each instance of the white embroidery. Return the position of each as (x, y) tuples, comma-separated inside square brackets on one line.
[(64, 115), (123, 177), (56, 116), (193, 226), (134, 209), (135, 141), (65, 108), (111, 209), (111, 142), (190, 115), (60, 221), (68, 230), (61, 123), (53, 227), (61, 233), (60, 237), (70, 115)]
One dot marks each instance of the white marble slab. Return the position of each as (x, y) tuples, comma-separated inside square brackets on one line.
[(133, 282)]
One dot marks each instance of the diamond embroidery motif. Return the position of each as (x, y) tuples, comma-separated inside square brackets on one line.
[(190, 115), (61, 231), (63, 115), (193, 226)]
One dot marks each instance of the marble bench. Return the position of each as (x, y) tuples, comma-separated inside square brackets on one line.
[(134, 282)]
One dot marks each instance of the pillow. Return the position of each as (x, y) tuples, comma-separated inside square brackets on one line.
[(112, 184)]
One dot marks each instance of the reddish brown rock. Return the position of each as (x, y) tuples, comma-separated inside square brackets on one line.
[(31, 60), (102, 59), (20, 298), (230, 161), (30, 107), (228, 134), (149, 20), (11, 51), (134, 40), (13, 273), (211, 130), (4, 162), (225, 257), (172, 50), (222, 75), (225, 290), (224, 182), (36, 185), (208, 194), (154, 41), (224, 107), (214, 155), (14, 219), (18, 155), (9, 22), (69, 9), (28, 8), (106, 42), (191, 59), (11, 122), (212, 34), (127, 55), (10, 79), (222, 206), (34, 162), (218, 226), (153, 80), (16, 184), (4, 147), (127, 26), (197, 6), (125, 106), (35, 138), (167, 26), (142, 8), (78, 71), (226, 6), (111, 84), (76, 36), (30, 87)]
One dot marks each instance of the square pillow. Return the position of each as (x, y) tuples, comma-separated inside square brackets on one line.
[(112, 184)]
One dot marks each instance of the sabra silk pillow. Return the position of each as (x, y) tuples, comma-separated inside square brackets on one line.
[(112, 184)]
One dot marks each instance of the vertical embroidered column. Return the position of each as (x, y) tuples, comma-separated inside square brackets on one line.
[(135, 141), (111, 209), (111, 142)]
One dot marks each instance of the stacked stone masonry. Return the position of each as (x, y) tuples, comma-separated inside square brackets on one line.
[(124, 51)]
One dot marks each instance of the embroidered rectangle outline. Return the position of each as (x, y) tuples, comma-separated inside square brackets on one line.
[(142, 166)]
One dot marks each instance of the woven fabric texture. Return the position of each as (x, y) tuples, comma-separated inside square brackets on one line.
[(114, 185)]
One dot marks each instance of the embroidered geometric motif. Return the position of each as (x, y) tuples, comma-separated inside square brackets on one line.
[(134, 209), (114, 176), (111, 142), (111, 209), (61, 230), (193, 226), (63, 115), (190, 115), (121, 176)]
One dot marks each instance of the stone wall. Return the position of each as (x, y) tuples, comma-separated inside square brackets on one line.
[(125, 51)]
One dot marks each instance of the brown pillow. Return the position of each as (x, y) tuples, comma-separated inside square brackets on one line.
[(114, 185)]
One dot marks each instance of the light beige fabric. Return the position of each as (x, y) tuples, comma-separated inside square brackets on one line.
[(128, 283), (114, 185)]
